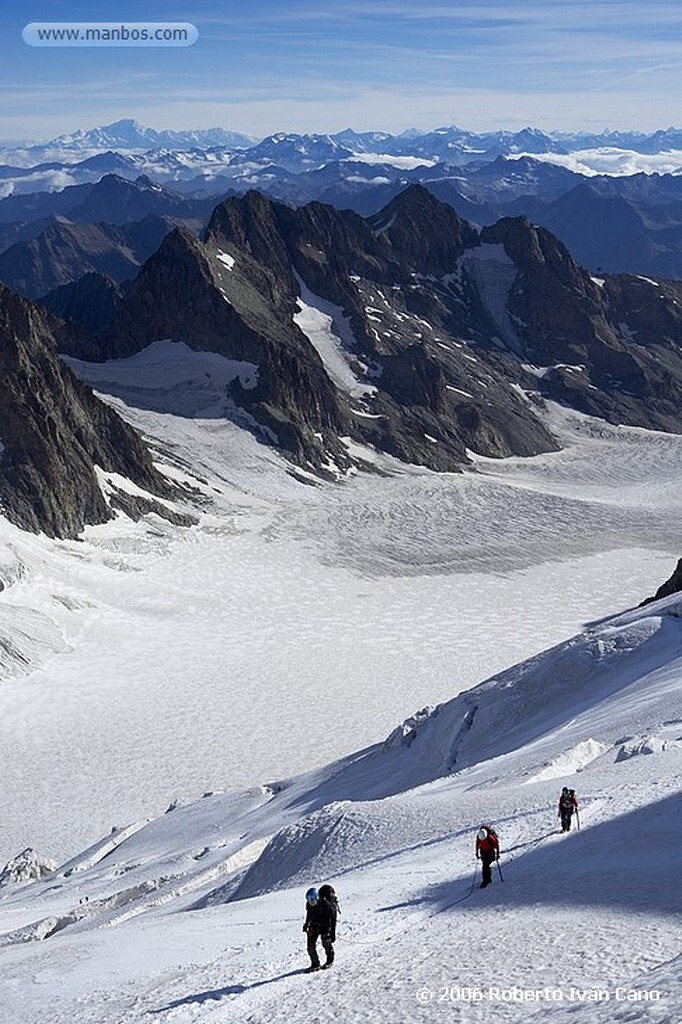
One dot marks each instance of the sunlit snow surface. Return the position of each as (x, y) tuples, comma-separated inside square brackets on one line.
[(292, 625)]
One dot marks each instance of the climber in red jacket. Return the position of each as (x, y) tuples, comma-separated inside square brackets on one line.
[(487, 851)]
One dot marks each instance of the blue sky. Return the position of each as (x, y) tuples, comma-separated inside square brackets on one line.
[(322, 65)]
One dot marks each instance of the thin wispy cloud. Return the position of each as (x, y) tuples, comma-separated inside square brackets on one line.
[(551, 64)]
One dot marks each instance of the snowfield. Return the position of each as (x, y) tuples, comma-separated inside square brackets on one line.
[(224, 674)]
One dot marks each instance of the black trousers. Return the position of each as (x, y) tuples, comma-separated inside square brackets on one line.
[(486, 863), (327, 945), (566, 821)]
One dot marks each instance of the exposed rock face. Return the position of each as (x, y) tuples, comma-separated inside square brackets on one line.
[(185, 293), (671, 586), (65, 251), (91, 301), (450, 337), (423, 232), (54, 431), (599, 345)]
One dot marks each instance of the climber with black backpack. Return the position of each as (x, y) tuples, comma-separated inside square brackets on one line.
[(487, 851), (322, 910), (568, 803)]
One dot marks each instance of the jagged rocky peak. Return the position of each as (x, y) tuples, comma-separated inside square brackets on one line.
[(216, 296), (423, 356), (533, 248), (423, 230), (247, 227), (194, 292), (169, 290), (54, 431), (328, 247), (557, 310), (246, 221)]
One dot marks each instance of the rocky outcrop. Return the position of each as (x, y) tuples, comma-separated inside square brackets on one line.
[(54, 432), (671, 586), (451, 338), (422, 232), (65, 251), (595, 340), (91, 302), (189, 292)]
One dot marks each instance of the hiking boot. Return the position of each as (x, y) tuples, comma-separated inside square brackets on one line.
[(313, 967), (327, 965), (483, 885)]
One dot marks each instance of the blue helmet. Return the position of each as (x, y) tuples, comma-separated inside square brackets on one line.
[(312, 894)]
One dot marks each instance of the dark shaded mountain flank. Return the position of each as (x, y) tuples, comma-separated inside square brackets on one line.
[(91, 301), (63, 252), (673, 585), (113, 199), (53, 238), (54, 432), (616, 234), (448, 337)]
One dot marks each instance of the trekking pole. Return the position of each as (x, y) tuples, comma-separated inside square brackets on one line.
[(500, 870), (577, 818)]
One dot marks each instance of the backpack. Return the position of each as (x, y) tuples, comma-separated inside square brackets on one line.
[(327, 892), (491, 831)]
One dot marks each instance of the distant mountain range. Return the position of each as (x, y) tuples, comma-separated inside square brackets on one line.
[(130, 134), (611, 223), (438, 143)]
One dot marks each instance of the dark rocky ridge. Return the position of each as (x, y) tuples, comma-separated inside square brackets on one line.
[(185, 293), (457, 334), (64, 252), (91, 301), (54, 431), (113, 199), (606, 354), (671, 586)]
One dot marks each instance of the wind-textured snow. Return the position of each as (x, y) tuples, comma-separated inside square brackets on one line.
[(203, 906), (247, 656)]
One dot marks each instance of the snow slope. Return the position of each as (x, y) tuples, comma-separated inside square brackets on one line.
[(146, 665), (196, 915), (146, 662)]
